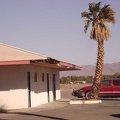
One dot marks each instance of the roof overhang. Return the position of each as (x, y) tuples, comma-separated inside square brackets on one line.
[(17, 62), (56, 64), (48, 63)]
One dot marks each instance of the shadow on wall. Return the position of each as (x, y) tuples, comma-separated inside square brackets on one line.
[(16, 77), (37, 115)]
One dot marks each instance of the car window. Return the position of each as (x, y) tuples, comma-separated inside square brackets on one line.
[(106, 83), (116, 82)]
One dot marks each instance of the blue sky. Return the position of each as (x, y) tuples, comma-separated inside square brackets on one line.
[(55, 28)]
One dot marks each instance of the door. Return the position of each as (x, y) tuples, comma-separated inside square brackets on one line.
[(116, 88), (106, 89), (54, 87), (48, 95), (29, 89)]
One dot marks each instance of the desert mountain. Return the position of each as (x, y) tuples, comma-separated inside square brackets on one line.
[(108, 69)]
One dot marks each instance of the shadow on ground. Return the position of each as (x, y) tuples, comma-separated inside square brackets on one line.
[(110, 99), (115, 115), (3, 119), (36, 115)]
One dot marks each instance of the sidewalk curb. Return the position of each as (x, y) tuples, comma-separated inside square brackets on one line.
[(78, 101)]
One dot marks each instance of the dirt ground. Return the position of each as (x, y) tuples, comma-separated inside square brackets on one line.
[(72, 86), (66, 89)]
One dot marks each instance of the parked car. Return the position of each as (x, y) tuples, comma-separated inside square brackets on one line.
[(109, 88)]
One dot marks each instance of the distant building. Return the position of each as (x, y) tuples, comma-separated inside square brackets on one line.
[(28, 79), (80, 82)]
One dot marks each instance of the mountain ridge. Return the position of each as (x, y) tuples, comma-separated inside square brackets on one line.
[(88, 70)]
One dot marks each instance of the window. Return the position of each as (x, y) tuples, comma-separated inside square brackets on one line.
[(106, 83), (42, 77), (116, 82), (53, 78), (35, 77)]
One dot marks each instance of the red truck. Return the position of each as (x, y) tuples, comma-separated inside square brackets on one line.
[(109, 88)]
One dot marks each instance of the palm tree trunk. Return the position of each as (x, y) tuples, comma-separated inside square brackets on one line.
[(98, 71)]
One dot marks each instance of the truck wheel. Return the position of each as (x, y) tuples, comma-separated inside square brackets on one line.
[(87, 95)]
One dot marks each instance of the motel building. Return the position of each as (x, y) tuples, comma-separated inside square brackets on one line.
[(28, 79)]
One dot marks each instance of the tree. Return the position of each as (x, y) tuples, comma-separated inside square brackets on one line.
[(98, 17)]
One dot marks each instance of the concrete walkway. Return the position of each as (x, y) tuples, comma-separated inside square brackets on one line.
[(109, 109)]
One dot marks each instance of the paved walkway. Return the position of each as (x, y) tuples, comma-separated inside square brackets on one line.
[(109, 109)]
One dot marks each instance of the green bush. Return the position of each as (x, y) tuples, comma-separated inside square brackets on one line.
[(88, 79)]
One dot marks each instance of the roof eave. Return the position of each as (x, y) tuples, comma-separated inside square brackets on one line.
[(68, 66), (17, 62), (48, 63)]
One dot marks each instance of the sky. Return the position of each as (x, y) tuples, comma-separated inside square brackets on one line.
[(54, 28)]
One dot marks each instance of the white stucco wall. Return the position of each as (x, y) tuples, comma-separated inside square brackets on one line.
[(13, 86), (37, 97)]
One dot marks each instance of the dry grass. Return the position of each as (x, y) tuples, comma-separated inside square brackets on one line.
[(72, 86)]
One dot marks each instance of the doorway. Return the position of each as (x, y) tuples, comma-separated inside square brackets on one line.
[(54, 87), (29, 89), (48, 94)]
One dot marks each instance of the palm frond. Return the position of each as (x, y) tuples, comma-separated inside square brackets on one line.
[(86, 25), (105, 32), (84, 14), (94, 8), (105, 6), (99, 32), (91, 7), (92, 34), (107, 14), (97, 7), (99, 16)]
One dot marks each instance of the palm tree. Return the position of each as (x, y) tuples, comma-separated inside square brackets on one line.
[(98, 17)]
